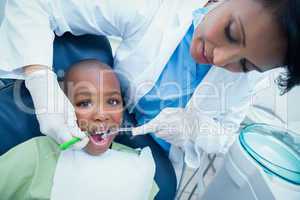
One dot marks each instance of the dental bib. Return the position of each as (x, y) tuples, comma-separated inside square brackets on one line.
[(112, 175)]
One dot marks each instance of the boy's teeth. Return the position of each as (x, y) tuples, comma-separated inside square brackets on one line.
[(100, 133), (97, 138)]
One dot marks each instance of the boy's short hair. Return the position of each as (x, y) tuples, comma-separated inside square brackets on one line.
[(83, 63)]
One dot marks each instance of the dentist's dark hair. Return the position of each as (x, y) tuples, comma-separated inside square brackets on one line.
[(287, 13)]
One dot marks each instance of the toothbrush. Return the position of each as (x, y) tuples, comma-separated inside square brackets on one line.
[(113, 131), (105, 134)]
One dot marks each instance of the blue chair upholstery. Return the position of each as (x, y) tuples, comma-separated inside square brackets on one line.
[(69, 49), (16, 126)]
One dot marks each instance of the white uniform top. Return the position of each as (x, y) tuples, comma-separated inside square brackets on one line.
[(151, 30)]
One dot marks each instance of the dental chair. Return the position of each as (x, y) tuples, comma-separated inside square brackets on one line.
[(18, 122)]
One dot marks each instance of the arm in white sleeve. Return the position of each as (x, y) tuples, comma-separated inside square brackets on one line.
[(106, 17), (27, 30), (26, 36)]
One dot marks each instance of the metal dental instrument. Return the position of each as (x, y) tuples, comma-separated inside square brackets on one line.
[(104, 134), (113, 131)]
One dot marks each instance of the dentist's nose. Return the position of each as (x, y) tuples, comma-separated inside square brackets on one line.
[(224, 56)]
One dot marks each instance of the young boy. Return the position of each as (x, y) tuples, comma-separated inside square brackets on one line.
[(37, 169), (94, 91)]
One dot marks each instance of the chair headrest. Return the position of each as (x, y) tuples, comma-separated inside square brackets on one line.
[(69, 49)]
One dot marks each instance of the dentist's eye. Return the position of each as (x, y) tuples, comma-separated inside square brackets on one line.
[(228, 33), (113, 102), (243, 64), (84, 104)]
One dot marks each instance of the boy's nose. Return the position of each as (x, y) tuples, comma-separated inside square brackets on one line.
[(101, 116)]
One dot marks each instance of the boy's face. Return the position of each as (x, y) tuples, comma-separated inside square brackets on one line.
[(95, 94)]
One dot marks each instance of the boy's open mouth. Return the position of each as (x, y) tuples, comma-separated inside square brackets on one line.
[(99, 140), (98, 143), (96, 138)]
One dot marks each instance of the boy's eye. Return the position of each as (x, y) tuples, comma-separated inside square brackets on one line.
[(113, 102), (84, 104)]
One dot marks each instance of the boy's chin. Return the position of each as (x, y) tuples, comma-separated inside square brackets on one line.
[(96, 147)]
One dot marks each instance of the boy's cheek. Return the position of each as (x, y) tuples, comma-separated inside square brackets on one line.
[(82, 118), (117, 118), (82, 114), (83, 124)]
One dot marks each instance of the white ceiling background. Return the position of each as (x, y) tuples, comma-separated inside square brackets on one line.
[(2, 2)]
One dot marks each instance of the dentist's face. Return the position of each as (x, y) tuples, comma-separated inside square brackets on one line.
[(96, 96), (240, 36)]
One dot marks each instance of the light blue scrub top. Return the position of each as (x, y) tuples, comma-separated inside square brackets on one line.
[(175, 86)]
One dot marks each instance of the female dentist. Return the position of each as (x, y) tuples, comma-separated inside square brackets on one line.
[(167, 62)]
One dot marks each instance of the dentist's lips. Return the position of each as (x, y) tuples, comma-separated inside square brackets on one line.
[(202, 58)]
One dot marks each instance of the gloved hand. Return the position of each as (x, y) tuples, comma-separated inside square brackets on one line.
[(193, 132), (172, 124), (177, 126), (53, 109)]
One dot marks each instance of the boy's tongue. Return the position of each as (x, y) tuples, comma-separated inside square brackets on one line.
[(97, 138)]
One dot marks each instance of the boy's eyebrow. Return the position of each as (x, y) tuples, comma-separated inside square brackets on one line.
[(83, 93), (111, 93)]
